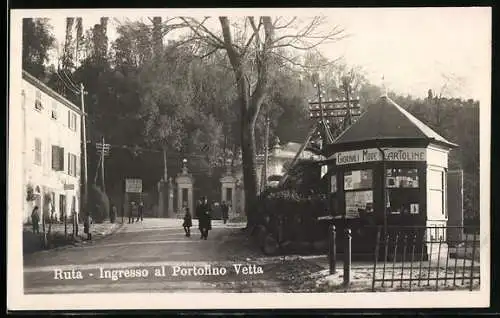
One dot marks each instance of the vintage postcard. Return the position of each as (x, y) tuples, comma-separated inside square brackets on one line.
[(249, 158)]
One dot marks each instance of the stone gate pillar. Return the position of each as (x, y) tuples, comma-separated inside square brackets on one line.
[(184, 182), (170, 210), (228, 181)]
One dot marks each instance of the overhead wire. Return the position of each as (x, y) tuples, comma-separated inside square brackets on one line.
[(73, 90), (69, 80)]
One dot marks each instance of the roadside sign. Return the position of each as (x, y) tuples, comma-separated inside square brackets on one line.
[(133, 185)]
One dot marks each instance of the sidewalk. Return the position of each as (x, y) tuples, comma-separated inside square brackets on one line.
[(33, 242)]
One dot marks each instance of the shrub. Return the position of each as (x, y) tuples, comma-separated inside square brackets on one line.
[(98, 204), (291, 216)]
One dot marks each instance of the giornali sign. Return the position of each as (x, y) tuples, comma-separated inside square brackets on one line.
[(373, 154)]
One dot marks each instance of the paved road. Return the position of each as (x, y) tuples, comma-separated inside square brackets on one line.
[(158, 257)]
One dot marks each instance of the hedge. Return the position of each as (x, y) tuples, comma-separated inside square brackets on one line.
[(292, 217)]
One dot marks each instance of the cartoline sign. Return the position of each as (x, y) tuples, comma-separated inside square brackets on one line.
[(373, 154)]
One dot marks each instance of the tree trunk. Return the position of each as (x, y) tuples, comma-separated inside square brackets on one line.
[(67, 61), (249, 172), (157, 37)]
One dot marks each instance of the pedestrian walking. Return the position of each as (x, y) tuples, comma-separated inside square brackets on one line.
[(86, 227), (131, 212), (204, 212), (35, 218), (140, 211), (225, 211), (114, 213), (187, 222)]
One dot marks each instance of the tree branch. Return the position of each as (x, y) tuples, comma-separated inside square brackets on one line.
[(276, 27), (212, 38)]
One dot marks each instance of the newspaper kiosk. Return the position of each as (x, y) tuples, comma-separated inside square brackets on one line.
[(388, 169)]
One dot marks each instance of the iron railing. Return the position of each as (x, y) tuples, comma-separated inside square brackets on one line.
[(420, 257)]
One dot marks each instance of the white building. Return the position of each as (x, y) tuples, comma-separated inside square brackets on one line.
[(51, 150)]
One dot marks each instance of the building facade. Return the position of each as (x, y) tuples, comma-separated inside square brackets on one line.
[(51, 151)]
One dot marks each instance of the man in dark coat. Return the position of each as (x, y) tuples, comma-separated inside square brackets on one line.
[(203, 212), (35, 218), (225, 211), (140, 211)]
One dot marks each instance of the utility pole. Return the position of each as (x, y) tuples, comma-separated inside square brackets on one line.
[(164, 203), (327, 112), (84, 202), (347, 91), (165, 174), (320, 96), (102, 166)]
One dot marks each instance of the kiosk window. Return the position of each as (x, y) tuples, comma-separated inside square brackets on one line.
[(436, 192), (358, 179), (358, 186), (333, 183), (402, 191), (402, 178)]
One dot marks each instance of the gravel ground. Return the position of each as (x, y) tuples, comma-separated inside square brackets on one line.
[(361, 280)]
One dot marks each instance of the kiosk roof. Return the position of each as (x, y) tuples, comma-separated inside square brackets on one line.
[(386, 120)]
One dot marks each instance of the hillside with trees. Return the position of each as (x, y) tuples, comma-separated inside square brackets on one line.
[(204, 96)]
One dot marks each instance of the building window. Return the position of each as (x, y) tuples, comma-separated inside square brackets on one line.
[(38, 100), (358, 187), (57, 158), (38, 151), (71, 120), (402, 191), (71, 164), (436, 192), (53, 113)]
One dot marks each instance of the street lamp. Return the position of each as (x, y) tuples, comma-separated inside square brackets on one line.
[(184, 165)]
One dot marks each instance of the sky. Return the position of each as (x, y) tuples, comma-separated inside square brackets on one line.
[(413, 49)]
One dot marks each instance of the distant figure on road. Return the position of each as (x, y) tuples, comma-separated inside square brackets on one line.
[(35, 218), (140, 211), (114, 213), (225, 211), (86, 227), (131, 212), (187, 223), (203, 212)]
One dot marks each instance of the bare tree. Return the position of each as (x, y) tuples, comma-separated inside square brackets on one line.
[(255, 47), (451, 84)]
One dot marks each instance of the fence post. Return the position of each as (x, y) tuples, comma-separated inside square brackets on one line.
[(347, 258), (332, 251), (377, 246), (472, 261)]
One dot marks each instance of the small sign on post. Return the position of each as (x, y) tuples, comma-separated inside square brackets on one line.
[(133, 185)]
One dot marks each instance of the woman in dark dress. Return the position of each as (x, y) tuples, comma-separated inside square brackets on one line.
[(187, 223)]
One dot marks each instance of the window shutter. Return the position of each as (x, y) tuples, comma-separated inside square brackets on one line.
[(69, 165), (55, 157), (61, 155)]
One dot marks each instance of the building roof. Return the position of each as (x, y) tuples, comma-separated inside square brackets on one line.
[(386, 120), (47, 90)]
